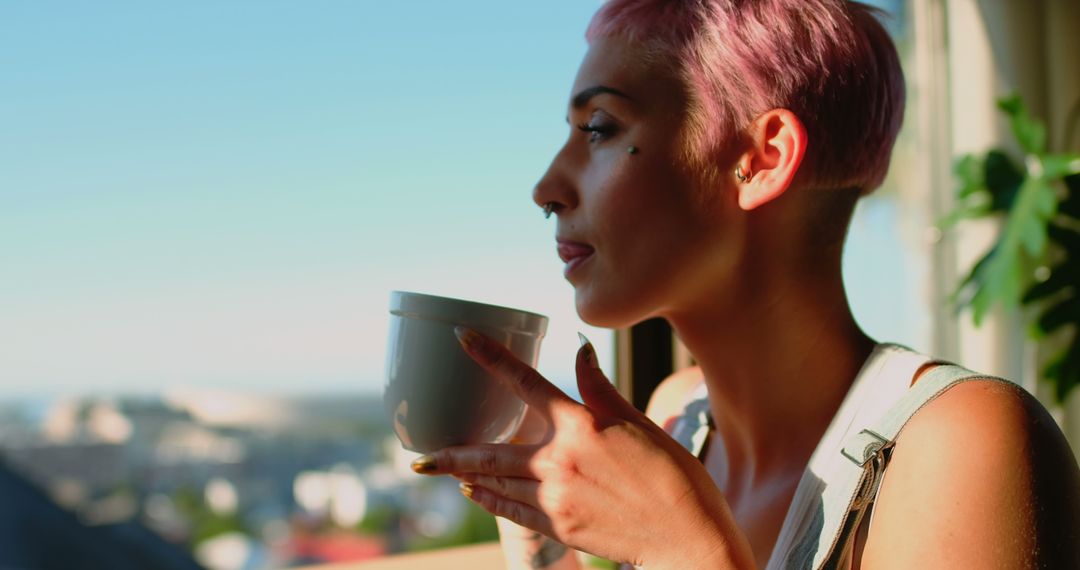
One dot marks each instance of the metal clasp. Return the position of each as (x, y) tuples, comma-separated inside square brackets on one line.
[(875, 451), (861, 448)]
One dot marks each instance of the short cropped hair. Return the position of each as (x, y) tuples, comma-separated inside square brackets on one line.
[(828, 61)]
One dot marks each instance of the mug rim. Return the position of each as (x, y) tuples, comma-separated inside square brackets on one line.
[(410, 304)]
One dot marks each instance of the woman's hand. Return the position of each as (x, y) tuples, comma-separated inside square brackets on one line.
[(604, 479)]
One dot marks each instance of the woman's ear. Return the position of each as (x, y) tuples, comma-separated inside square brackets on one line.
[(765, 171)]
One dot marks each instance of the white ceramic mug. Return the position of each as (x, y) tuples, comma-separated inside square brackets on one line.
[(435, 395)]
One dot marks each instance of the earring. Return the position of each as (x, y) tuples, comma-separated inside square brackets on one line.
[(742, 177), (632, 150), (548, 208)]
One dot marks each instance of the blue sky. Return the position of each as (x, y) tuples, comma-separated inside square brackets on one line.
[(222, 194)]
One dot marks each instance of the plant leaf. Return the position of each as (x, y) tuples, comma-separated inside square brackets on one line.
[(963, 296), (1033, 238), (1000, 275), (1029, 132), (1011, 283), (980, 304), (1028, 195), (1059, 165), (1046, 202), (969, 170), (1030, 216)]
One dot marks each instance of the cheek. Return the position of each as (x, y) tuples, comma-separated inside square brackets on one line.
[(647, 228), (627, 189)]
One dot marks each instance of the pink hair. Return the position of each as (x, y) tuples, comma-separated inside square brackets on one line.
[(828, 61)]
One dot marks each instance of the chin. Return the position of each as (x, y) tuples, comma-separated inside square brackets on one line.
[(605, 311)]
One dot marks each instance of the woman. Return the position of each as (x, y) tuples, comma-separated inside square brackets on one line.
[(717, 151)]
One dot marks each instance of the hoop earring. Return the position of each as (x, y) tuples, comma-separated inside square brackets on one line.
[(742, 177)]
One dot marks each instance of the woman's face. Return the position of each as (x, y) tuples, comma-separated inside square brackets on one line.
[(641, 237)]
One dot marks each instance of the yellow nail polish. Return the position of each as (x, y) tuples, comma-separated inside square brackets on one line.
[(424, 465), (466, 489)]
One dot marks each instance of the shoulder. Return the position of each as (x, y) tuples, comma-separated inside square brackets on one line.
[(980, 477), (669, 398)]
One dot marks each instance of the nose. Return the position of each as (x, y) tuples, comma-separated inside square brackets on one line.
[(556, 186)]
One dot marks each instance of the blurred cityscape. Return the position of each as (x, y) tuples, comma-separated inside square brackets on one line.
[(222, 481)]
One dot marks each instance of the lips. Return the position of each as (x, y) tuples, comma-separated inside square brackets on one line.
[(573, 254), (570, 250)]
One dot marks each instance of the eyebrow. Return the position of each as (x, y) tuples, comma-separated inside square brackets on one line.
[(583, 97)]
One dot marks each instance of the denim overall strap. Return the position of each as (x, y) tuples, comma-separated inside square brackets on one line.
[(868, 452)]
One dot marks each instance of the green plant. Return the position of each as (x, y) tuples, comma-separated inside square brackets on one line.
[(1036, 259)]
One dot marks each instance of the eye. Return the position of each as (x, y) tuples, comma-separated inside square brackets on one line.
[(598, 129)]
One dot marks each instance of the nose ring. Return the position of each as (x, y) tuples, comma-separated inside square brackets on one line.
[(548, 208)]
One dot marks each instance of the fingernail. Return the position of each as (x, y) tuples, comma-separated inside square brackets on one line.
[(466, 489), (468, 338), (588, 352), (424, 465)]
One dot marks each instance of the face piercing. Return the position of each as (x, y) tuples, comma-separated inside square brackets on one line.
[(548, 208), (632, 150), (742, 177)]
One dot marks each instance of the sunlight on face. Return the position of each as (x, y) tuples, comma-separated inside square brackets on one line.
[(644, 237)]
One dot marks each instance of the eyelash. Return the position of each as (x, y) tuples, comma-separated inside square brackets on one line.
[(597, 132)]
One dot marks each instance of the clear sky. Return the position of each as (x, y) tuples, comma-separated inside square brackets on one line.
[(222, 194)]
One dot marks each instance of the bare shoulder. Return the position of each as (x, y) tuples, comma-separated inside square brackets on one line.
[(670, 396), (981, 477)]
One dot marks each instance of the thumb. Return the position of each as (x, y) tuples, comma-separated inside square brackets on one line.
[(596, 391)]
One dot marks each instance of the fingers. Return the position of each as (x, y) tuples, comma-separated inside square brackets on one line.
[(520, 513), (529, 385), (492, 459), (525, 491), (596, 391)]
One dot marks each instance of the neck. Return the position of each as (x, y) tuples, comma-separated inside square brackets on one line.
[(777, 370)]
